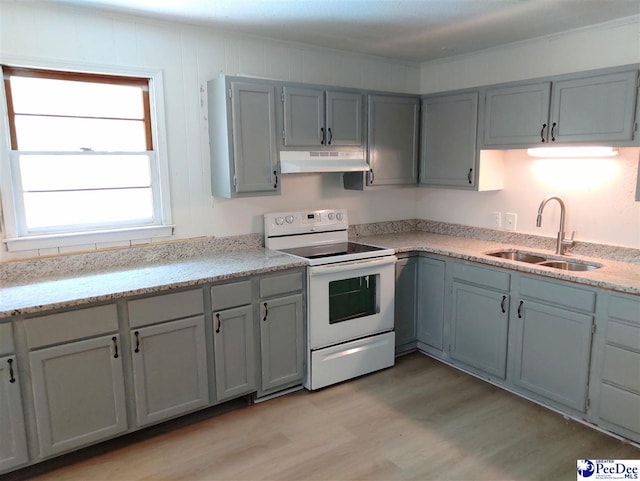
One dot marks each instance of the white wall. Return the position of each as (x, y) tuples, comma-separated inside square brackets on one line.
[(189, 56), (599, 194)]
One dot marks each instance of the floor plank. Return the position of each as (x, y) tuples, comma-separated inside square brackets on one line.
[(420, 420)]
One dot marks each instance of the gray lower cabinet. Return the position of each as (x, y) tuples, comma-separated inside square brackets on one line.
[(479, 328), (281, 342), (616, 384), (448, 153), (13, 441), (79, 395), (430, 302), (234, 352), (242, 137), (169, 369), (405, 303), (552, 340)]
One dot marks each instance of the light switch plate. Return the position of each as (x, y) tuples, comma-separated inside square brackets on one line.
[(496, 220), (511, 221)]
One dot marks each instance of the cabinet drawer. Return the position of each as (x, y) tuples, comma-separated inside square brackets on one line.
[(283, 284), (235, 294), (625, 308), (6, 339), (68, 326), (558, 293), (622, 367), (481, 276), (620, 407), (165, 307), (624, 335)]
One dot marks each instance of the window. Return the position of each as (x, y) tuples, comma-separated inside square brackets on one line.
[(82, 160)]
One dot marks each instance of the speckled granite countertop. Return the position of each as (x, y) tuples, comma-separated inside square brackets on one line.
[(84, 289), (618, 276)]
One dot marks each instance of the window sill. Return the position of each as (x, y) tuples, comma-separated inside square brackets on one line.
[(81, 238)]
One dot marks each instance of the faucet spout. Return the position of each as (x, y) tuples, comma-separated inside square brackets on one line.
[(561, 243)]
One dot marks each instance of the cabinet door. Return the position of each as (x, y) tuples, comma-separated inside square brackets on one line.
[(593, 109), (405, 302), (344, 118), (304, 117), (517, 116), (78, 390), (169, 369), (552, 351), (393, 140), (479, 328), (13, 441), (254, 136), (430, 301), (234, 352), (281, 342), (449, 128)]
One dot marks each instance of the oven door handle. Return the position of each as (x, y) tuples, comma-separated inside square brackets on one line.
[(348, 266)]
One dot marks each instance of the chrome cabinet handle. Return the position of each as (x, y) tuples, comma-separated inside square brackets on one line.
[(219, 323), (114, 339), (544, 126), (330, 136), (469, 176), (12, 378), (266, 312), (137, 334), (504, 298), (520, 309), (275, 173), (553, 132)]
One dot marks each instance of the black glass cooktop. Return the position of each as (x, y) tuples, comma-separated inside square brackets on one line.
[(331, 250)]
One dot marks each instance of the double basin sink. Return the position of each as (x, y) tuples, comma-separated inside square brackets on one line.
[(516, 255)]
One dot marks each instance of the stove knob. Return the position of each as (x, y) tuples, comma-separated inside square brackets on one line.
[(279, 220), (339, 216), (331, 215), (289, 219)]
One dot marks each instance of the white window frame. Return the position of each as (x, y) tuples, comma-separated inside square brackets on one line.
[(11, 208)]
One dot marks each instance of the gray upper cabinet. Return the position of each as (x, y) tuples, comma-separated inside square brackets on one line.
[(405, 303), (13, 442), (596, 108), (448, 153), (169, 369), (578, 108), (517, 115), (78, 389), (430, 301), (281, 342), (234, 352), (242, 137), (392, 146), (552, 340), (318, 118)]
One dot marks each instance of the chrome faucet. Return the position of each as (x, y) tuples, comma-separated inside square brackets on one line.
[(562, 244)]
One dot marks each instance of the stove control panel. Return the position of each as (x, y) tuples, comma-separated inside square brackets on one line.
[(302, 222)]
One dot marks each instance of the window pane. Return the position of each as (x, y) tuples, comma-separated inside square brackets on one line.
[(69, 209), (59, 133), (81, 99), (68, 172)]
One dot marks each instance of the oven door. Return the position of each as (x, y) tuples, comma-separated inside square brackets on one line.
[(349, 300)]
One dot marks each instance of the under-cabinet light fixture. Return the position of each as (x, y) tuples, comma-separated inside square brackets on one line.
[(573, 152)]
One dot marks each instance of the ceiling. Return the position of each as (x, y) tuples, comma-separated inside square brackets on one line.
[(412, 30)]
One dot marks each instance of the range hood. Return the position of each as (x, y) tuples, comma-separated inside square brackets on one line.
[(298, 162)]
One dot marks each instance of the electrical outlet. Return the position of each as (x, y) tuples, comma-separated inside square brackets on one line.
[(496, 220), (511, 221)]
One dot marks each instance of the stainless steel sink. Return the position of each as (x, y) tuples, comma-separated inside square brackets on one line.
[(518, 256), (569, 266)]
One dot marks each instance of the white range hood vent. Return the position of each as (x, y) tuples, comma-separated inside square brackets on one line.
[(297, 162)]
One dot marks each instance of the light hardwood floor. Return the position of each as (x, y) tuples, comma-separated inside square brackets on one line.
[(420, 420)]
